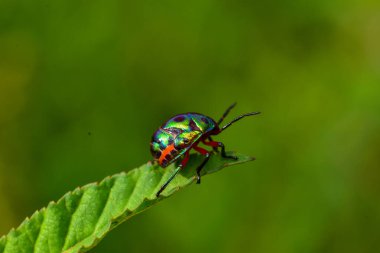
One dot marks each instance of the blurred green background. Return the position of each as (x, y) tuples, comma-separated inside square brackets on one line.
[(84, 84)]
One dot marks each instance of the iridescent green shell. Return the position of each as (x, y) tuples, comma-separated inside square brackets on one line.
[(178, 134)]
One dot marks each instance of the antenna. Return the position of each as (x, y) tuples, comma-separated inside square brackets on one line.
[(225, 113), (238, 118)]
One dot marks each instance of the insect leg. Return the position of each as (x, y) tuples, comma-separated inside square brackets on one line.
[(181, 166), (200, 167), (214, 148), (221, 145)]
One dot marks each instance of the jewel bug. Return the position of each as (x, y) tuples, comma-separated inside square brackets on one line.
[(182, 133)]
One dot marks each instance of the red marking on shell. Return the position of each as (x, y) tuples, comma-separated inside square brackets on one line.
[(164, 153), (193, 126), (179, 118), (204, 119)]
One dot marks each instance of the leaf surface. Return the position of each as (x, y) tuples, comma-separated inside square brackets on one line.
[(81, 218)]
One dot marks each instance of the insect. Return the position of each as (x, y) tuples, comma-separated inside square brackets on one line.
[(182, 133)]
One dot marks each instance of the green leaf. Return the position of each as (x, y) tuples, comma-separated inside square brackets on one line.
[(81, 218)]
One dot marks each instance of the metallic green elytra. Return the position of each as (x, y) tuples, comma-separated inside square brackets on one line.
[(182, 133), (178, 134)]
